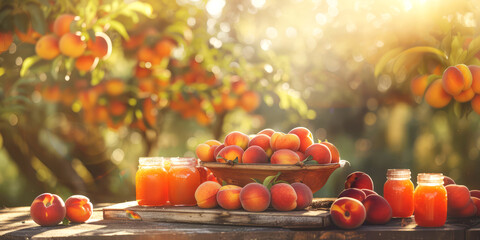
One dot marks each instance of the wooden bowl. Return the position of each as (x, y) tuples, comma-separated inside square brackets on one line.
[(240, 174)]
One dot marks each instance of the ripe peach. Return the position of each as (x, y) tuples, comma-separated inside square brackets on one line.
[(436, 96), (205, 152), (284, 197), (262, 141), (213, 142), (284, 156), (305, 136), (447, 181), (359, 180), (47, 209), (476, 104), (476, 202), (228, 197), (206, 194), (458, 196), (378, 209), (267, 131), (467, 75), (254, 154), (101, 47), (304, 195), (319, 153), (255, 197), (453, 81), (418, 85), (368, 192), (47, 47), (469, 210), (465, 95), (475, 70), (62, 23), (475, 193), (217, 150), (281, 140), (249, 101), (353, 193), (239, 86), (79, 208), (347, 213), (72, 45), (86, 63), (164, 47), (237, 138), (301, 155), (333, 151), (230, 153)]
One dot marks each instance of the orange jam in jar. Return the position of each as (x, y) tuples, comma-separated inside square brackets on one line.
[(183, 180), (151, 182), (398, 191), (430, 198)]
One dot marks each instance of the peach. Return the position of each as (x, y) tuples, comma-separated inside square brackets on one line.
[(217, 150), (378, 209), (469, 210), (263, 141), (239, 85), (453, 81), (475, 70), (284, 197), (230, 153), (418, 85), (475, 193), (476, 201), (206, 194), (47, 47), (333, 151), (301, 155), (447, 181), (267, 131), (467, 75), (359, 180), (284, 156), (205, 152), (304, 195), (47, 209), (86, 63), (249, 101), (164, 47), (281, 140), (465, 95), (347, 213), (319, 153), (62, 23), (305, 136), (254, 154), (228, 197), (79, 208), (353, 193), (6, 39), (476, 104), (237, 138), (255, 197), (458, 196), (101, 47), (436, 96), (368, 192), (72, 45), (213, 142)]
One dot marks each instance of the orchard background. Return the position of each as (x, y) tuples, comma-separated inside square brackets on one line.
[(156, 78)]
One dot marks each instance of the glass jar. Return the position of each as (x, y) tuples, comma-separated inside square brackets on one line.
[(183, 181), (151, 182), (398, 191), (430, 200)]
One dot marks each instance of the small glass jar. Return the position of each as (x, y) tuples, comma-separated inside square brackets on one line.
[(430, 200), (151, 182), (398, 191), (183, 181)]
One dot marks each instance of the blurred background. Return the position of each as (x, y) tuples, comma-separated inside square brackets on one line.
[(182, 72)]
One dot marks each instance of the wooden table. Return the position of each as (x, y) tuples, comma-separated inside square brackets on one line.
[(15, 223)]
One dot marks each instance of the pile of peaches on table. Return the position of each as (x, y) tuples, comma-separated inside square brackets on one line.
[(268, 146), (359, 203)]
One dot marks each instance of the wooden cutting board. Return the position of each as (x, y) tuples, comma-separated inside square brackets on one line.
[(316, 216)]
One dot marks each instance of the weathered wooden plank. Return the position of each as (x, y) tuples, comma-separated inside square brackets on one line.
[(473, 233), (298, 219)]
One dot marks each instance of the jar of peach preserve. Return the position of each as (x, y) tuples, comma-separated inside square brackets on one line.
[(398, 191), (430, 200), (183, 180), (151, 184)]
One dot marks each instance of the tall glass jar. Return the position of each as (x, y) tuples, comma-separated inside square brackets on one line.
[(183, 181), (430, 200), (151, 182), (398, 191)]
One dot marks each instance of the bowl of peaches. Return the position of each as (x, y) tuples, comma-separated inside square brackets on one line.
[(242, 159)]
